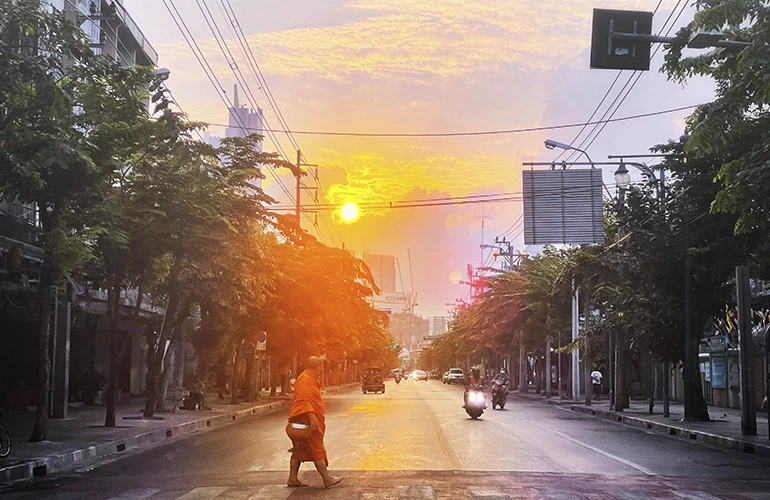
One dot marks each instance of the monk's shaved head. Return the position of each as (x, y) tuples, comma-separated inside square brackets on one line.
[(315, 363)]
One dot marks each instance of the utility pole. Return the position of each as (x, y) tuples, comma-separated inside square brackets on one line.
[(746, 358), (575, 351), (299, 187), (690, 361), (298, 193), (587, 348), (618, 392)]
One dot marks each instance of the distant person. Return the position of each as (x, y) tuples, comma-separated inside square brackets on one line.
[(308, 408), (596, 381)]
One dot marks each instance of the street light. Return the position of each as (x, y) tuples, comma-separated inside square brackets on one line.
[(162, 74), (551, 144), (622, 177)]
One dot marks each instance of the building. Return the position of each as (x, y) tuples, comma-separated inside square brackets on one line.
[(79, 335), (409, 330), (438, 326), (241, 121), (383, 268)]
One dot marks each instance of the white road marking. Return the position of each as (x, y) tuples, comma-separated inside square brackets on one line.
[(203, 493), (255, 468), (273, 492), (137, 494), (629, 463), (491, 492)]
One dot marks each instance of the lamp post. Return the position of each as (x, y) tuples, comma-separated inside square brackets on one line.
[(551, 144)]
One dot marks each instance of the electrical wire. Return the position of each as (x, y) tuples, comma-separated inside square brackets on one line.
[(211, 75), (477, 133), (604, 98), (235, 28), (639, 74), (440, 202), (227, 53), (632, 80)]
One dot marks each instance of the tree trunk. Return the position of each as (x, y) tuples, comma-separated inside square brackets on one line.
[(48, 274), (169, 361), (236, 374), (44, 338), (154, 368), (113, 305)]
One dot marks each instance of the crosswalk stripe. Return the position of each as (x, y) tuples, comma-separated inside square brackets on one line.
[(272, 492), (416, 493), (486, 493), (138, 494), (203, 493)]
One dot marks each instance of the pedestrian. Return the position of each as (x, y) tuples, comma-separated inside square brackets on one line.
[(308, 408), (596, 381)]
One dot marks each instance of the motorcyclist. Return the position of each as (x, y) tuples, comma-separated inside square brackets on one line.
[(474, 381), (502, 376)]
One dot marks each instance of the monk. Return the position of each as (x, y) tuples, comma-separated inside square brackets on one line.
[(308, 408)]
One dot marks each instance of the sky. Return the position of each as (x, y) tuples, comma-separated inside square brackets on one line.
[(421, 66)]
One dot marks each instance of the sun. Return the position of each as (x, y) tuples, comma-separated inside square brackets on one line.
[(349, 212)]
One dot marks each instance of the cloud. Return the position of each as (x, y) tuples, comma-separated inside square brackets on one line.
[(422, 41)]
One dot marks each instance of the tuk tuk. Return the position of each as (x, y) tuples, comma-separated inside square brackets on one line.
[(372, 380)]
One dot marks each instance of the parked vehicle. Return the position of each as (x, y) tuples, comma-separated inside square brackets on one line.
[(499, 393), (372, 381), (456, 376)]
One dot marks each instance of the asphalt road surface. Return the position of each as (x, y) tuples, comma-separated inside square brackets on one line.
[(416, 442)]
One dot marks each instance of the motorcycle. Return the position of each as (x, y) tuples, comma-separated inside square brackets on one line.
[(475, 402), (398, 379), (499, 393)]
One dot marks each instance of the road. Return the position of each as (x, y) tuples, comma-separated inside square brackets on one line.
[(415, 442)]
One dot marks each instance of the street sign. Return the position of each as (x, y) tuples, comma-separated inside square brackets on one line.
[(262, 341), (609, 53)]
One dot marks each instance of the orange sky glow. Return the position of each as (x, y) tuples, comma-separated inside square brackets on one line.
[(420, 66)]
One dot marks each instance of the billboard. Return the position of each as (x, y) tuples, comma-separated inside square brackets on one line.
[(563, 206)]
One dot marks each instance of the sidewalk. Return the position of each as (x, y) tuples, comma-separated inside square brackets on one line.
[(723, 431), (83, 436)]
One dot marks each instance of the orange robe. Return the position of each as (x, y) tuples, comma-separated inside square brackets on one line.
[(307, 399)]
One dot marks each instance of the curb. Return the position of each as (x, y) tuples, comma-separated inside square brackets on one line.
[(678, 431), (553, 402), (54, 463)]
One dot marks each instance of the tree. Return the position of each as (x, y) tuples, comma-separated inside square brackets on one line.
[(59, 101)]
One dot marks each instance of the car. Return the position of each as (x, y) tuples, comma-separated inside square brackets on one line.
[(421, 375), (372, 381), (435, 375), (455, 376), (445, 377)]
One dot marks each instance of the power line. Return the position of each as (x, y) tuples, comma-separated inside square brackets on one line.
[(211, 75), (225, 49), (235, 28), (439, 202), (635, 76), (604, 98), (639, 74), (475, 133)]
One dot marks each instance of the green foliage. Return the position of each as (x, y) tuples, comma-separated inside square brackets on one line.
[(735, 128)]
